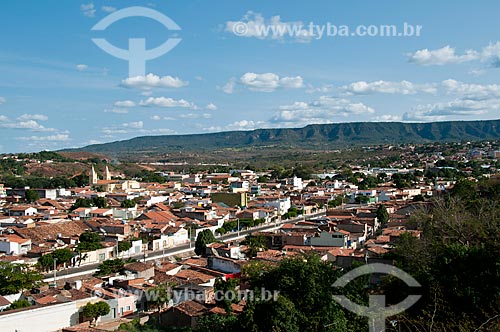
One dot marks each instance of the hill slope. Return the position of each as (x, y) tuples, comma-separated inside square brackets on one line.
[(325, 136)]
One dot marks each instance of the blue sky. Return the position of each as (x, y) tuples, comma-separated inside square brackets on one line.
[(58, 89)]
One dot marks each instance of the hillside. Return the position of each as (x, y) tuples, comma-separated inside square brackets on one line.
[(325, 136)]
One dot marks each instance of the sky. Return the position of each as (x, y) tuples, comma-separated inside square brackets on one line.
[(239, 65)]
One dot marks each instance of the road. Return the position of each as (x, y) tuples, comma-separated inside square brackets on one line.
[(152, 255)]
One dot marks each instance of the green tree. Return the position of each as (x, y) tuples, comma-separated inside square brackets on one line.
[(204, 238), (255, 243), (19, 304), (305, 300), (124, 246), (17, 277), (63, 256), (382, 215), (128, 204), (216, 323), (95, 310), (31, 195), (277, 316), (99, 202), (81, 202), (110, 266), (224, 287)]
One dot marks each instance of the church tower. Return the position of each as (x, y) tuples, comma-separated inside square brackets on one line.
[(93, 176), (107, 174)]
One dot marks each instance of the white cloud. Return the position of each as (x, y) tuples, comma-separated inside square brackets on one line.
[(124, 128), (446, 55), (124, 103), (229, 86), (266, 82), (81, 67), (36, 117), (269, 82), (459, 107), (211, 107), (195, 115), (27, 124), (153, 81), (254, 25), (52, 138), (388, 118), (2, 100), (321, 89), (403, 87), (324, 110), (472, 91), (88, 9), (238, 126), (160, 118), (167, 102), (108, 9), (135, 125), (116, 110), (3, 118)]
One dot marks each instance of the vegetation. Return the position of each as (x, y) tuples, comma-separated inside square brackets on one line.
[(110, 267), (204, 238), (15, 278), (124, 246), (62, 256), (382, 215), (99, 202), (19, 304), (31, 196), (95, 310), (128, 204)]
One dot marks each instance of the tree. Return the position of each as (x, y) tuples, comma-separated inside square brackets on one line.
[(99, 202), (81, 202), (19, 304), (382, 215), (128, 204), (110, 266), (17, 277), (255, 244), (224, 287), (216, 323), (95, 310), (89, 241), (204, 238), (305, 301), (277, 316), (31, 196), (62, 255), (124, 246)]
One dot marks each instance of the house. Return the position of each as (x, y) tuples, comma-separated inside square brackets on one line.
[(101, 213), (21, 211), (15, 245), (184, 314), (338, 238), (224, 264), (140, 270)]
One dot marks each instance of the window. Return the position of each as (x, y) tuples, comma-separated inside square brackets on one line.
[(127, 308), (102, 257)]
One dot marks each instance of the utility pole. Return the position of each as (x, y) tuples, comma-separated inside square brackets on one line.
[(55, 272)]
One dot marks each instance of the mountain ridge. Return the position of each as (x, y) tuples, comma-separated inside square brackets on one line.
[(314, 136)]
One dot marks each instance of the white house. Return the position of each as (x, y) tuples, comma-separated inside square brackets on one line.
[(21, 211), (15, 245)]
